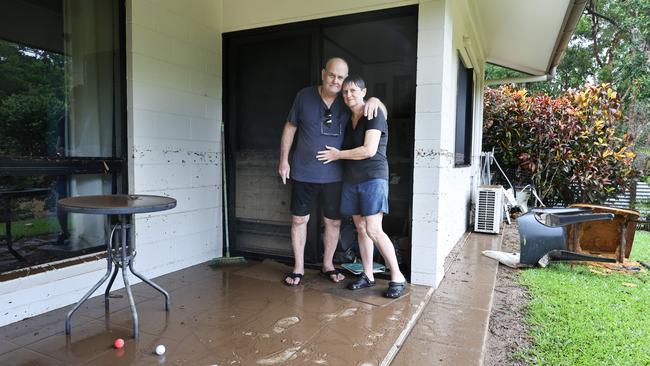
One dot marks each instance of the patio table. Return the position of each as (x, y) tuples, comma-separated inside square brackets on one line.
[(121, 251)]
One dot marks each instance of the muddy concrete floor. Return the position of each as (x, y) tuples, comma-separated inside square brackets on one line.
[(240, 315), (507, 330)]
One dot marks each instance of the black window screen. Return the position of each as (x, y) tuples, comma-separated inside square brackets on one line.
[(464, 120)]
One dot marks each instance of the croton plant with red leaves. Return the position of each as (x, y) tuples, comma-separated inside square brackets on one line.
[(572, 148)]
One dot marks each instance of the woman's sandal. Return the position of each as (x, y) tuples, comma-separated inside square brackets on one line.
[(361, 282), (293, 276), (395, 289), (329, 274)]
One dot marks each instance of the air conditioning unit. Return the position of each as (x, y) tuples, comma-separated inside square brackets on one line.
[(489, 209)]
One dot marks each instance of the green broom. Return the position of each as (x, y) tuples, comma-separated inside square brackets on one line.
[(227, 259)]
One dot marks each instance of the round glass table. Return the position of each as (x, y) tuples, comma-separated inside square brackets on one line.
[(120, 249)]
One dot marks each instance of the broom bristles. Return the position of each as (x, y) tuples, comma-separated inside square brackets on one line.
[(227, 260)]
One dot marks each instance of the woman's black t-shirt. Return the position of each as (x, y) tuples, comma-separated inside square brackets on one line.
[(357, 171)]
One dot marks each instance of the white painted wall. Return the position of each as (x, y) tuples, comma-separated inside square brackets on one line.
[(174, 114), (442, 192), (174, 89)]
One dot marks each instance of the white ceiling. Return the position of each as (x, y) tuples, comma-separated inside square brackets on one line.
[(521, 34)]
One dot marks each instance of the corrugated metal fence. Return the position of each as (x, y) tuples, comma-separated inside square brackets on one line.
[(641, 199)]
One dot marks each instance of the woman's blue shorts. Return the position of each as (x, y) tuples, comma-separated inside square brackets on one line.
[(366, 198)]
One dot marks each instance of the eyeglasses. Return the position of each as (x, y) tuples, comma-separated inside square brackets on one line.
[(328, 127), (328, 118)]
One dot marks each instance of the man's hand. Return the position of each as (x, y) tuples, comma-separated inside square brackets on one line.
[(370, 109), (288, 133), (329, 155), (283, 170)]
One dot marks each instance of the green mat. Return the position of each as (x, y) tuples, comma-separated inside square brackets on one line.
[(357, 268)]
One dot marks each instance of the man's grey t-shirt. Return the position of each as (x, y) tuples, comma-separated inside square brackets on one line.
[(308, 114)]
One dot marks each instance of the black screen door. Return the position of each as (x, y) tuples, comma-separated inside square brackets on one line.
[(263, 70)]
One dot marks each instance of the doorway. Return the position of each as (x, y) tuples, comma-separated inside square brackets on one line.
[(263, 70)]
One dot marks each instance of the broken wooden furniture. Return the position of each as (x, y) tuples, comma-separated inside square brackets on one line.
[(120, 251), (580, 232)]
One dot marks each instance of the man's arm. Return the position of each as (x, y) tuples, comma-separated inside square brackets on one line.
[(372, 106), (288, 133)]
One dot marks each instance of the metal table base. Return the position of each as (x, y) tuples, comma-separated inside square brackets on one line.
[(120, 251)]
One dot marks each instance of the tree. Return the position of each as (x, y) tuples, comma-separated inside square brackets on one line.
[(32, 97), (611, 45)]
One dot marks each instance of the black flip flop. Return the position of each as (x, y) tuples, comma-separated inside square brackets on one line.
[(293, 276), (328, 275), (395, 289)]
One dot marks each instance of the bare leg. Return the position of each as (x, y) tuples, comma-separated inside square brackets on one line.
[(365, 246), (298, 240), (331, 240), (385, 246)]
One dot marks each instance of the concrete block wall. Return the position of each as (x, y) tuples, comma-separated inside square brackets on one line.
[(426, 267), (442, 192), (459, 183), (175, 108)]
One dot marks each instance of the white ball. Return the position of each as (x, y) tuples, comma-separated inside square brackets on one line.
[(160, 350)]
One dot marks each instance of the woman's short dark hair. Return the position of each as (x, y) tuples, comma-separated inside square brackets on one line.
[(356, 80)]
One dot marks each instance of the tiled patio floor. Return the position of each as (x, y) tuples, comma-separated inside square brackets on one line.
[(227, 316)]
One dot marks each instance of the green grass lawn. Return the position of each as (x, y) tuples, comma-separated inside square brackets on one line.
[(578, 317), (32, 227)]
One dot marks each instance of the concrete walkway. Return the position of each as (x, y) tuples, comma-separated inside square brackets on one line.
[(452, 329)]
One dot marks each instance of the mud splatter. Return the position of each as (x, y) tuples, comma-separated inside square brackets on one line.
[(345, 313), (285, 323), (279, 357)]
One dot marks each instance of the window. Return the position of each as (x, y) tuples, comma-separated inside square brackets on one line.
[(464, 120), (62, 124)]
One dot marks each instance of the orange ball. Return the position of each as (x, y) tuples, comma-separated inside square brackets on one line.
[(119, 343)]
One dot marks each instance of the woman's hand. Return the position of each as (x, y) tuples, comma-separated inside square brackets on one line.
[(329, 155)]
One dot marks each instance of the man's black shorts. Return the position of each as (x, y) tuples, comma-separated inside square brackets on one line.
[(304, 195)]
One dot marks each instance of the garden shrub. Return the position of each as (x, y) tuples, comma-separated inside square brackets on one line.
[(572, 148)]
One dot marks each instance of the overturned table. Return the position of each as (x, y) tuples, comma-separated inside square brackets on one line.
[(120, 251)]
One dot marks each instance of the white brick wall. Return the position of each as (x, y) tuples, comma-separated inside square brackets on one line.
[(442, 192), (175, 93)]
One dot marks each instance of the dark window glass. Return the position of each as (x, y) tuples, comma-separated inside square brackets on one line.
[(61, 124), (464, 107)]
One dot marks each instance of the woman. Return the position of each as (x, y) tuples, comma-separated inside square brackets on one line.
[(364, 193)]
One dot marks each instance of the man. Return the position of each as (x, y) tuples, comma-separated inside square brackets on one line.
[(321, 116)]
